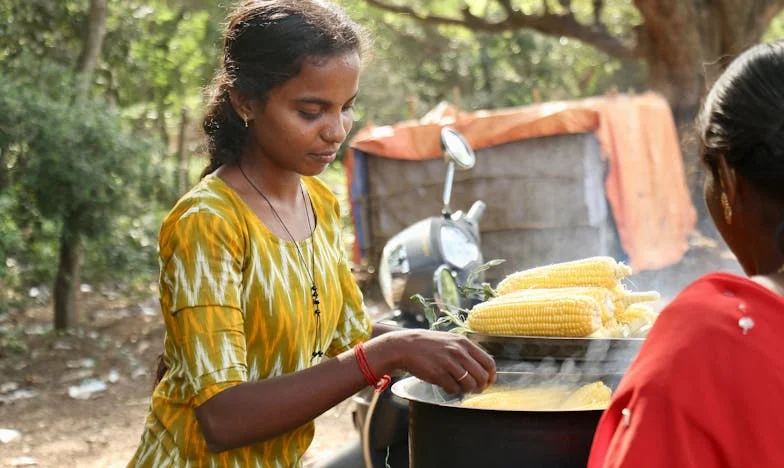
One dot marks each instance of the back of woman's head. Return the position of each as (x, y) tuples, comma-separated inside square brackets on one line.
[(743, 118), (266, 43)]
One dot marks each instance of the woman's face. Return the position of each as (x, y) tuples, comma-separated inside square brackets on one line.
[(304, 121)]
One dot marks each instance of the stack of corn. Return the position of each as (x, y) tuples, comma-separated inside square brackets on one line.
[(583, 298)]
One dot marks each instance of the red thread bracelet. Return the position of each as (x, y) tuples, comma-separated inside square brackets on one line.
[(370, 377)]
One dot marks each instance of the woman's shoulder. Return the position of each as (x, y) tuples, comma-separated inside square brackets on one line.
[(209, 195), (209, 200), (709, 325), (712, 305), (722, 293)]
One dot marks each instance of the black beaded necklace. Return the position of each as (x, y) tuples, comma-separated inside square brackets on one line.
[(314, 294)]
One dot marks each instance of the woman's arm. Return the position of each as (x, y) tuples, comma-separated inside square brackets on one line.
[(256, 411), (382, 328)]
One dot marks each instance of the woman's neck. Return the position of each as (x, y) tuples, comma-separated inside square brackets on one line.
[(279, 185)]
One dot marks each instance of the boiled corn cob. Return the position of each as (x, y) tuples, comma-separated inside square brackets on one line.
[(604, 296), (594, 271), (556, 314)]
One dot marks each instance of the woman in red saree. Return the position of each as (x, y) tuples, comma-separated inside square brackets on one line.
[(707, 388)]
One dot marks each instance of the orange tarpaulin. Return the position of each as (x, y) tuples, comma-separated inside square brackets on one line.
[(646, 186)]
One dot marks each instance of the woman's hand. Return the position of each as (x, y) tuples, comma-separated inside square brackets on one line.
[(445, 359)]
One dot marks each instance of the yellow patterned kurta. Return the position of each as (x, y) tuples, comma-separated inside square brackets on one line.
[(236, 303)]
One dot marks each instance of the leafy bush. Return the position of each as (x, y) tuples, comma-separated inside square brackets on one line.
[(67, 159)]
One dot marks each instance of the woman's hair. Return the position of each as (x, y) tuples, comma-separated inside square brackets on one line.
[(743, 118), (743, 121), (266, 43)]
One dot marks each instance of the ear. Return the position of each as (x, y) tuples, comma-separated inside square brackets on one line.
[(241, 104), (728, 180)]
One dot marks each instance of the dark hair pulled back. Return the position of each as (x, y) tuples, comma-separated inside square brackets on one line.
[(265, 44), (743, 118), (743, 121)]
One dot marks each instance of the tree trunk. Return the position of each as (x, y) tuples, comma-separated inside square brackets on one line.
[(67, 281), (93, 40), (687, 44), (181, 166), (4, 182), (66, 286), (163, 125)]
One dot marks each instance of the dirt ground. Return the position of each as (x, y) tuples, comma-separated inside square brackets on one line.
[(117, 344)]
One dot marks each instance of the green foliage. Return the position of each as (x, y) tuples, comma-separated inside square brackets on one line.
[(43, 29), (414, 66), (775, 31), (107, 161), (64, 157), (77, 159), (166, 55), (103, 162)]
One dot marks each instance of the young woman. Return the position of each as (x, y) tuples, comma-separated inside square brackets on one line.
[(255, 288), (705, 389)]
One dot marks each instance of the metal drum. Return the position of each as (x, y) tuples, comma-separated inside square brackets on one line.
[(444, 434)]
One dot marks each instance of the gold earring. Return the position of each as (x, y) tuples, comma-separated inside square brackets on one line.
[(725, 203), (246, 122)]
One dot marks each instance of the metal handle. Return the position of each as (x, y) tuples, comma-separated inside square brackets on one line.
[(450, 177)]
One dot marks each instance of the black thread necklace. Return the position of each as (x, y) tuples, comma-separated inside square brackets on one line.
[(317, 351)]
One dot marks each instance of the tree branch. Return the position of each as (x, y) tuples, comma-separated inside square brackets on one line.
[(547, 23)]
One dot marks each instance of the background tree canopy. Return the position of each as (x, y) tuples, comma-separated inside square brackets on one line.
[(100, 101)]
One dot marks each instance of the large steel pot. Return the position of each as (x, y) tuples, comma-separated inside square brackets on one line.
[(443, 434)]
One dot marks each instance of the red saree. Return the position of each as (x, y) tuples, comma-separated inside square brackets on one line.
[(701, 393)]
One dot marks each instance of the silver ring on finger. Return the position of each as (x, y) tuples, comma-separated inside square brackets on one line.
[(463, 376)]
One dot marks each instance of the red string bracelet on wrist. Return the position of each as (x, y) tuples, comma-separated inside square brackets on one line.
[(379, 384)]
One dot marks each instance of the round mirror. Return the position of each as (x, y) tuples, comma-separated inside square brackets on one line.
[(457, 148), (446, 290)]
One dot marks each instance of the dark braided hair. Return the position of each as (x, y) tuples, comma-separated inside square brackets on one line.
[(743, 121), (266, 43)]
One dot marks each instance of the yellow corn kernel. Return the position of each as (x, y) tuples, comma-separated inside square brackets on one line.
[(519, 399), (572, 315), (612, 329), (603, 296), (634, 313), (594, 395), (594, 271)]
